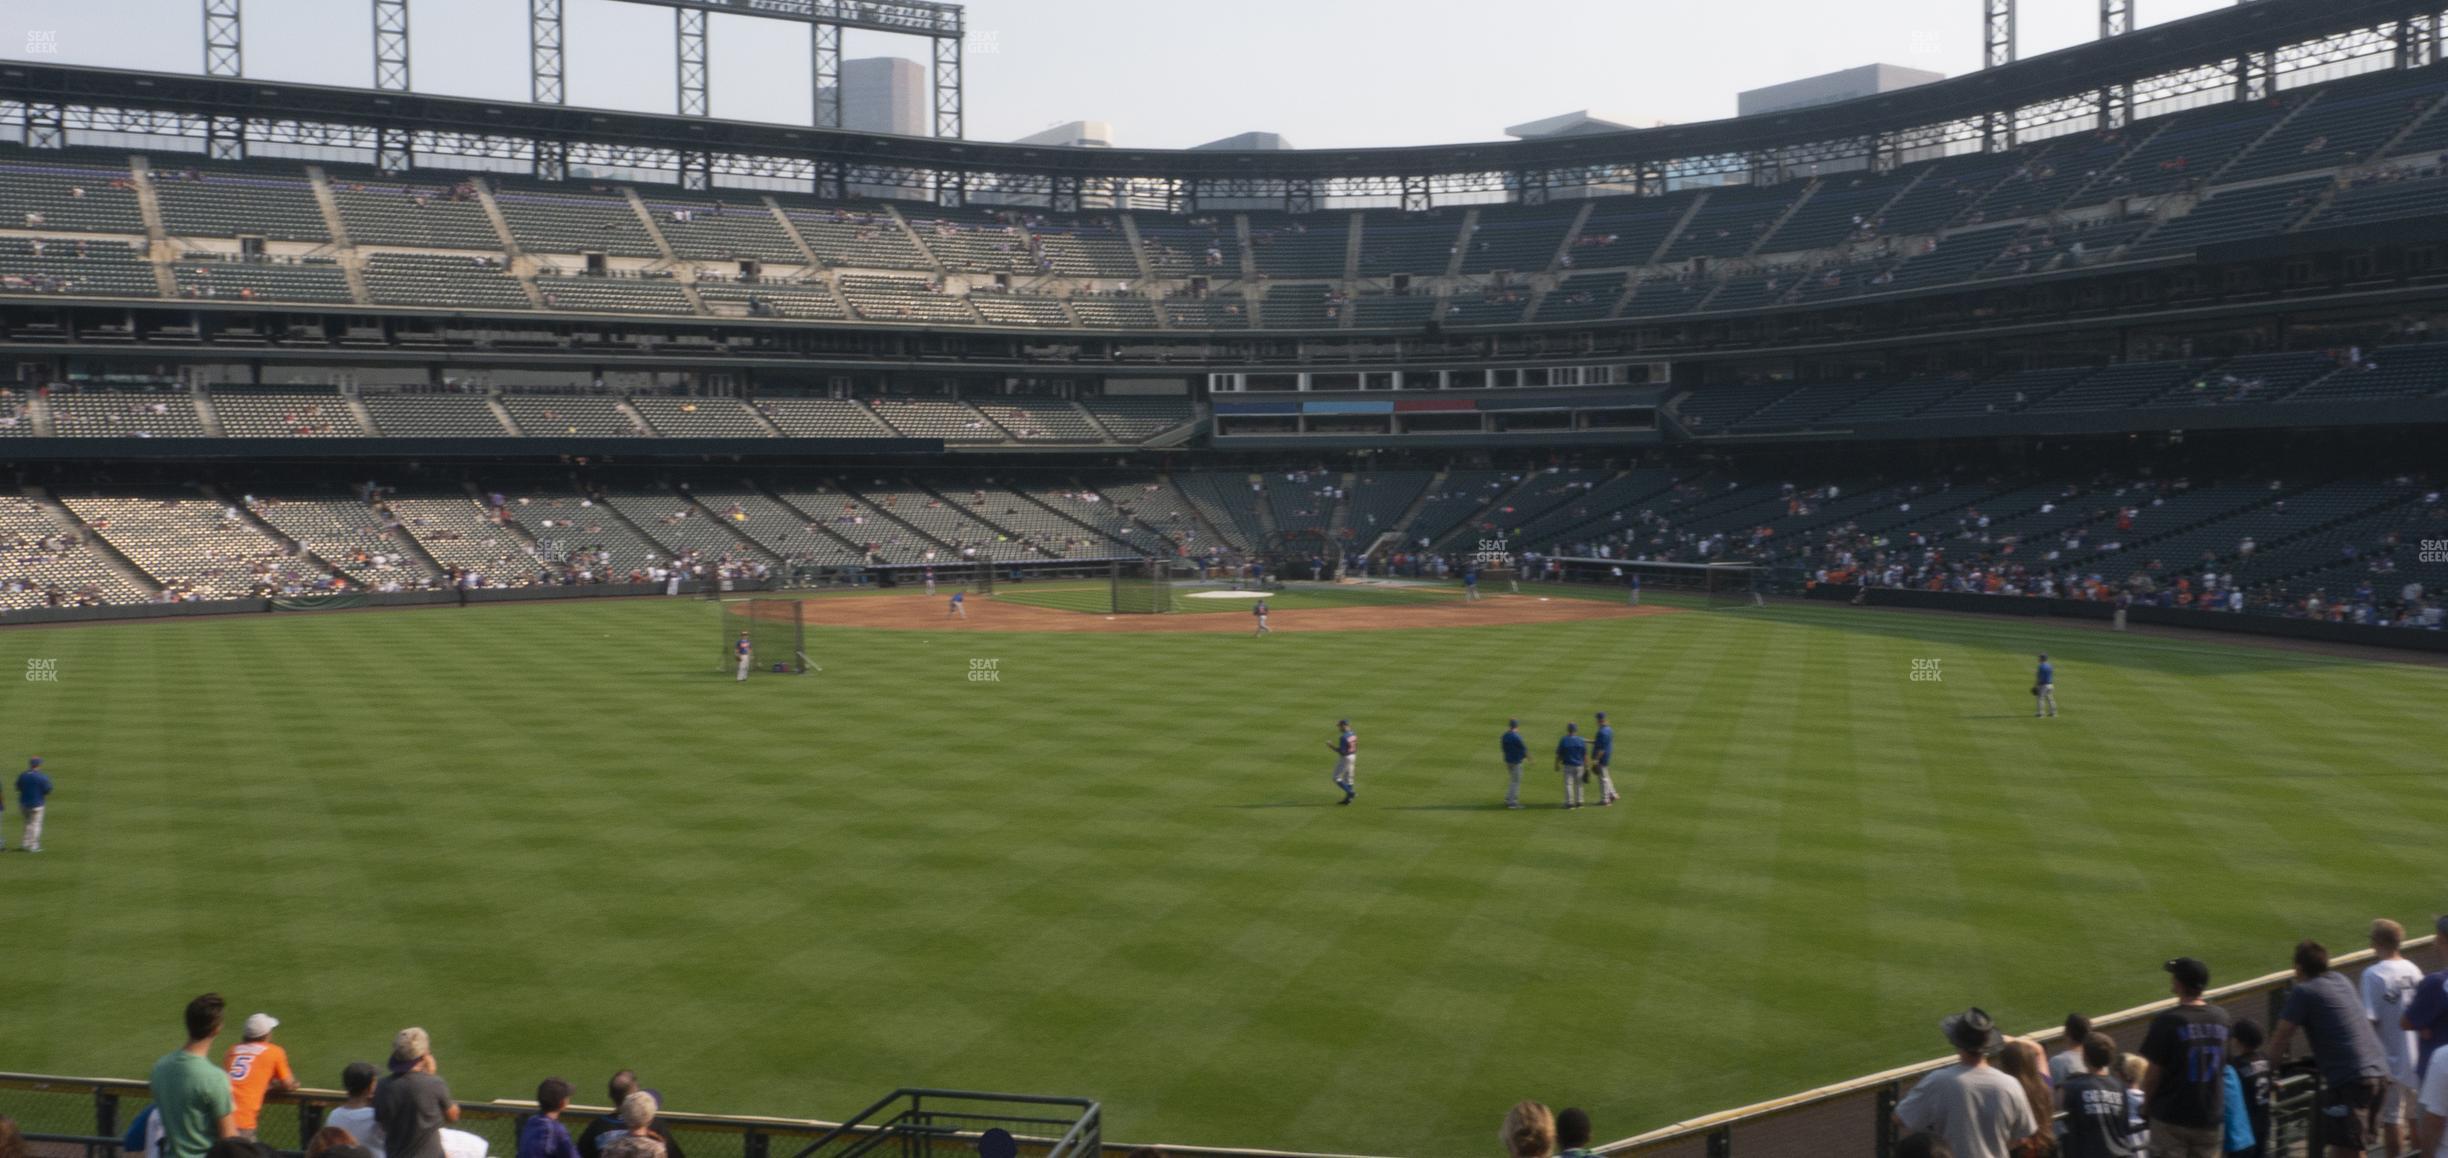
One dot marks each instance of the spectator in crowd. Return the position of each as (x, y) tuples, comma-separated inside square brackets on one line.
[(2427, 1013), (356, 1115), (2069, 1061), (12, 1140), (193, 1094), (1529, 1131), (2025, 1062), (335, 1142), (256, 1068), (2186, 1047), (2388, 987), (542, 1135), (2256, 1080), (2324, 1007), (591, 1139), (2431, 1123), (1980, 1112), (413, 1103), (636, 1137), (1573, 1133), (2098, 1118), (635, 1145), (2235, 1126), (1924, 1146)]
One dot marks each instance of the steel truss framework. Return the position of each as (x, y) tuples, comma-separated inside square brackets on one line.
[(941, 23), (2217, 56), (544, 51), (222, 56), (391, 45)]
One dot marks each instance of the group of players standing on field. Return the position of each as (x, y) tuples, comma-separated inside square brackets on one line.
[(1579, 760)]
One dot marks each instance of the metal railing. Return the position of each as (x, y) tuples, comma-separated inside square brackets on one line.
[(1855, 1117)]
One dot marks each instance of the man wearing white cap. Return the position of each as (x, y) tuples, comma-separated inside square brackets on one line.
[(256, 1068)]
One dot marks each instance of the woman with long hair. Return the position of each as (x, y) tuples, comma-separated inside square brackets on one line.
[(2025, 1062), (1529, 1131)]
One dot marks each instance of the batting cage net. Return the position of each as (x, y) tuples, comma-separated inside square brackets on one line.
[(1142, 586), (776, 631)]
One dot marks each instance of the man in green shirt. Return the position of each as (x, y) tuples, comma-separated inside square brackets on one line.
[(193, 1093)]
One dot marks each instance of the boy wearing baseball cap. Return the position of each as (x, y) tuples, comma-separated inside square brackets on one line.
[(256, 1068)]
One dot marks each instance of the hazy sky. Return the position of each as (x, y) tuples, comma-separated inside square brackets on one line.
[(1324, 73)]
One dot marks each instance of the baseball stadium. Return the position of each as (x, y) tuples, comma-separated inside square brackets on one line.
[(556, 631)]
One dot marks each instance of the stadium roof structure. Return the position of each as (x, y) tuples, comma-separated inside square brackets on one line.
[(2244, 50)]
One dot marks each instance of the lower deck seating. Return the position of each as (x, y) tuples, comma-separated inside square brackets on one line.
[(47, 562), (199, 548), (360, 542)]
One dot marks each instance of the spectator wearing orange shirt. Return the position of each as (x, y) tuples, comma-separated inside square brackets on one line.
[(256, 1068)]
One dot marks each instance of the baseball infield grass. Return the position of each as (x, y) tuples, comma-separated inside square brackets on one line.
[(551, 836)]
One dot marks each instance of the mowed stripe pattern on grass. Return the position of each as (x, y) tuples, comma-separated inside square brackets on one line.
[(548, 834)]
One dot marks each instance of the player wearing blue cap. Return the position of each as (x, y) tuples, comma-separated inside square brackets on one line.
[(1346, 747), (1602, 754), (1572, 759), (1516, 751), (33, 787)]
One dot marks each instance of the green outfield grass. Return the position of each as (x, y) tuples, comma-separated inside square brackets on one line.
[(552, 836)]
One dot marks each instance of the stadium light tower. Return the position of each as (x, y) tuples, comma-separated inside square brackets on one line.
[(1997, 33), (391, 44), (221, 55), (2116, 18), (940, 22), (544, 51), (1998, 48)]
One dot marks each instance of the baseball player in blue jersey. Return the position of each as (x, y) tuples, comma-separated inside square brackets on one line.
[(1602, 753), (1346, 747), (957, 611), (746, 656), (1516, 752), (1470, 585), (2044, 688), (1572, 759), (33, 788)]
